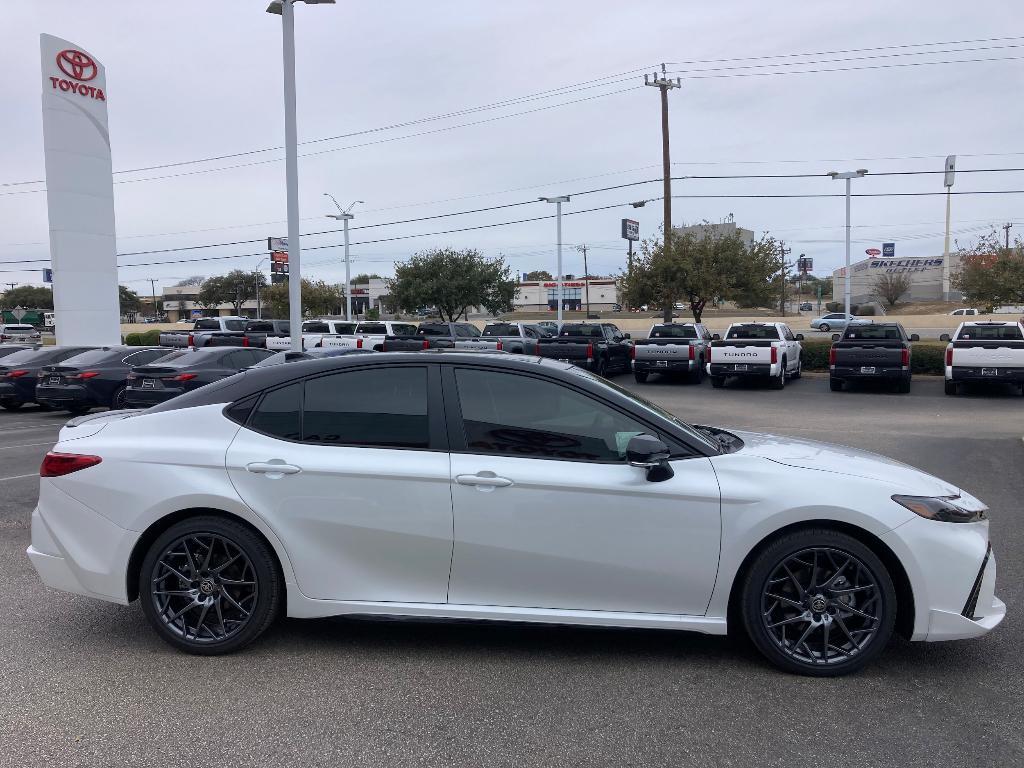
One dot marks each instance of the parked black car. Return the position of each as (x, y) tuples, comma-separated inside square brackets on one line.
[(97, 378), (876, 352), (290, 356), (20, 371), (598, 347), (181, 372)]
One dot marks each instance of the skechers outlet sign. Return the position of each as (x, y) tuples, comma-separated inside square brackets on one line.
[(78, 69)]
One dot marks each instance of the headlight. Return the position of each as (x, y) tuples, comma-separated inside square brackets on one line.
[(941, 508)]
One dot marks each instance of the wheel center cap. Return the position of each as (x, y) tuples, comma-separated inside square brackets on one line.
[(818, 603), (207, 586)]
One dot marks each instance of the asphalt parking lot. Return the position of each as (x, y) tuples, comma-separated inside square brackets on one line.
[(88, 683)]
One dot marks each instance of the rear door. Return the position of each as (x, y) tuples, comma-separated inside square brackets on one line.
[(351, 470)]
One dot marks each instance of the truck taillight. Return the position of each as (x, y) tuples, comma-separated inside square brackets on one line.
[(905, 358), (191, 340), (775, 355), (499, 347), (383, 346), (245, 341), (58, 464), (949, 356), (426, 344), (707, 354), (691, 352), (590, 350), (632, 351), (832, 356), (359, 343)]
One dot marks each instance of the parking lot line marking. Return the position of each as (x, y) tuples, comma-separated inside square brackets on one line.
[(25, 445), (19, 477)]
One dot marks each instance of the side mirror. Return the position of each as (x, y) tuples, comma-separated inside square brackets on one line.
[(836, 337), (716, 337), (944, 337), (914, 337), (626, 336), (650, 453), (799, 337)]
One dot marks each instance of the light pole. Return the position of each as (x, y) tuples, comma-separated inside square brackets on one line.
[(558, 218), (847, 175), (344, 215), (256, 277), (286, 9)]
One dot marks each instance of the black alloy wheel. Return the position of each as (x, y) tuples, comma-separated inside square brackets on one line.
[(119, 400), (819, 603), (209, 585)]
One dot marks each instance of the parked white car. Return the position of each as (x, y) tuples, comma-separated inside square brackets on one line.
[(489, 486), (768, 351), (961, 312), (987, 351), (313, 333), (369, 335), (17, 332)]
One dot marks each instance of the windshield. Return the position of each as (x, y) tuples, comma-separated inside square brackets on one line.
[(206, 325), (647, 405), (990, 333), (673, 332), (754, 332)]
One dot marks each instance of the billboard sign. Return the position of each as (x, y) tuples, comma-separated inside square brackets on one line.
[(630, 229), (278, 266), (872, 252), (277, 244), (79, 194), (888, 250)]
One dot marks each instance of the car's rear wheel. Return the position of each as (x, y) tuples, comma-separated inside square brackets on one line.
[(119, 401), (951, 387), (210, 585), (825, 327), (819, 602)]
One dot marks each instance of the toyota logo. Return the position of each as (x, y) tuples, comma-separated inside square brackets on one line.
[(76, 64)]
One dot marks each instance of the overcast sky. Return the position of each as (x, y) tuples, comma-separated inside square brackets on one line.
[(194, 80)]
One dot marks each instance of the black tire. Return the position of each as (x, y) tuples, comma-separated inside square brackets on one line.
[(904, 386), (951, 387), (78, 410), (12, 405), (779, 382), (823, 601), (825, 327), (717, 381), (640, 377), (836, 385), (117, 400), (698, 374), (799, 369), (602, 367), (250, 595)]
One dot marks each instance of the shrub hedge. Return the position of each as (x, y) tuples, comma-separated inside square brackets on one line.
[(144, 339), (925, 356), (133, 339)]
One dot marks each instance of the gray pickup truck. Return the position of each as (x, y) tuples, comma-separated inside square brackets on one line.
[(201, 331), (431, 336), (517, 338), (876, 352), (669, 348)]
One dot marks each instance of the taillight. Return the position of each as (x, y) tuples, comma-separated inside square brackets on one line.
[(191, 340), (384, 346), (426, 344), (905, 358), (707, 354), (16, 374), (832, 356), (245, 341), (590, 350), (691, 351), (58, 464), (632, 352), (949, 357), (185, 377), (86, 375), (498, 347), (359, 343), (775, 355)]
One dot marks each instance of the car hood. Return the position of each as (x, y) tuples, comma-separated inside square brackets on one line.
[(843, 460)]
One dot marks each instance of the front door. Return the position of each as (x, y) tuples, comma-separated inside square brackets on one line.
[(347, 470), (549, 515)]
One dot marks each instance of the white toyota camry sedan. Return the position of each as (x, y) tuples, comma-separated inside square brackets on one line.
[(490, 487)]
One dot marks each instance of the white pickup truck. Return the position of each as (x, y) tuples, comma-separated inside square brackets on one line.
[(765, 350), (985, 351), (313, 332), (369, 335)]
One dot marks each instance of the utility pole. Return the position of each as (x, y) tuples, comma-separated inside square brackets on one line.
[(152, 290), (586, 276), (783, 251), (345, 215), (1006, 229), (12, 285), (665, 84)]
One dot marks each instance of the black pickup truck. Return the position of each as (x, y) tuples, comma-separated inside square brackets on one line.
[(254, 334), (876, 352), (598, 347), (432, 336)]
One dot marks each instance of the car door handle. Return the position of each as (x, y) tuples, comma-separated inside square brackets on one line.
[(272, 468), (488, 480)]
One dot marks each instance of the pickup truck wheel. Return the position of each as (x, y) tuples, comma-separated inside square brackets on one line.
[(836, 385), (718, 382), (904, 386), (602, 367), (12, 405), (818, 602), (640, 377), (779, 382), (799, 369), (951, 387), (698, 374)]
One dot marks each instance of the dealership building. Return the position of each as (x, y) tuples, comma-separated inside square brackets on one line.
[(542, 295), (925, 273)]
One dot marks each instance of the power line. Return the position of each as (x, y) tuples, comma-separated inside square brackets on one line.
[(689, 76)]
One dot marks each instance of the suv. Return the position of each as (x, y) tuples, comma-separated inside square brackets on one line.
[(19, 332)]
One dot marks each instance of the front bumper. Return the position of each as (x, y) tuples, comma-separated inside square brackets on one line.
[(752, 369)]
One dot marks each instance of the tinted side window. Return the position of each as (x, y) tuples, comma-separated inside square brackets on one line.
[(372, 328), (404, 329), (384, 407), (145, 356), (515, 415), (280, 413)]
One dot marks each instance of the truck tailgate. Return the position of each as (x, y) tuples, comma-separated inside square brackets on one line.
[(567, 349), (650, 349), (975, 354), (752, 352), (872, 355)]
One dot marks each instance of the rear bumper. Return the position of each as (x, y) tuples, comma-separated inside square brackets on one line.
[(63, 395), (753, 369), (664, 366), (12, 393), (144, 398), (854, 372), (1005, 375)]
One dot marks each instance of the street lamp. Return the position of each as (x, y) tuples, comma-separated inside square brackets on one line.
[(286, 9), (847, 175), (256, 277), (343, 215), (558, 217)]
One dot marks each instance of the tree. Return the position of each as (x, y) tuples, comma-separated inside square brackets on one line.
[(890, 287), (235, 288), (364, 278), (27, 296), (128, 300), (453, 281), (189, 282), (702, 267), (539, 274), (318, 298), (991, 274)]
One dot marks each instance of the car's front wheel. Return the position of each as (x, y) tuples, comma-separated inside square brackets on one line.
[(825, 327), (819, 602), (210, 585)]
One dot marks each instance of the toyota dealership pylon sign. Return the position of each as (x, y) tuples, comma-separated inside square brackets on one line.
[(79, 194)]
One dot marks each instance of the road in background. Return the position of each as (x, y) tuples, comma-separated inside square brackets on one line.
[(88, 683)]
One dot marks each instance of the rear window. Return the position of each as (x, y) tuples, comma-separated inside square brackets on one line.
[(372, 328), (754, 332), (673, 332), (404, 329), (432, 330), (588, 331), (874, 332), (344, 328), (19, 328), (95, 357), (236, 325), (206, 325), (316, 328), (501, 329), (986, 333), (260, 327)]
